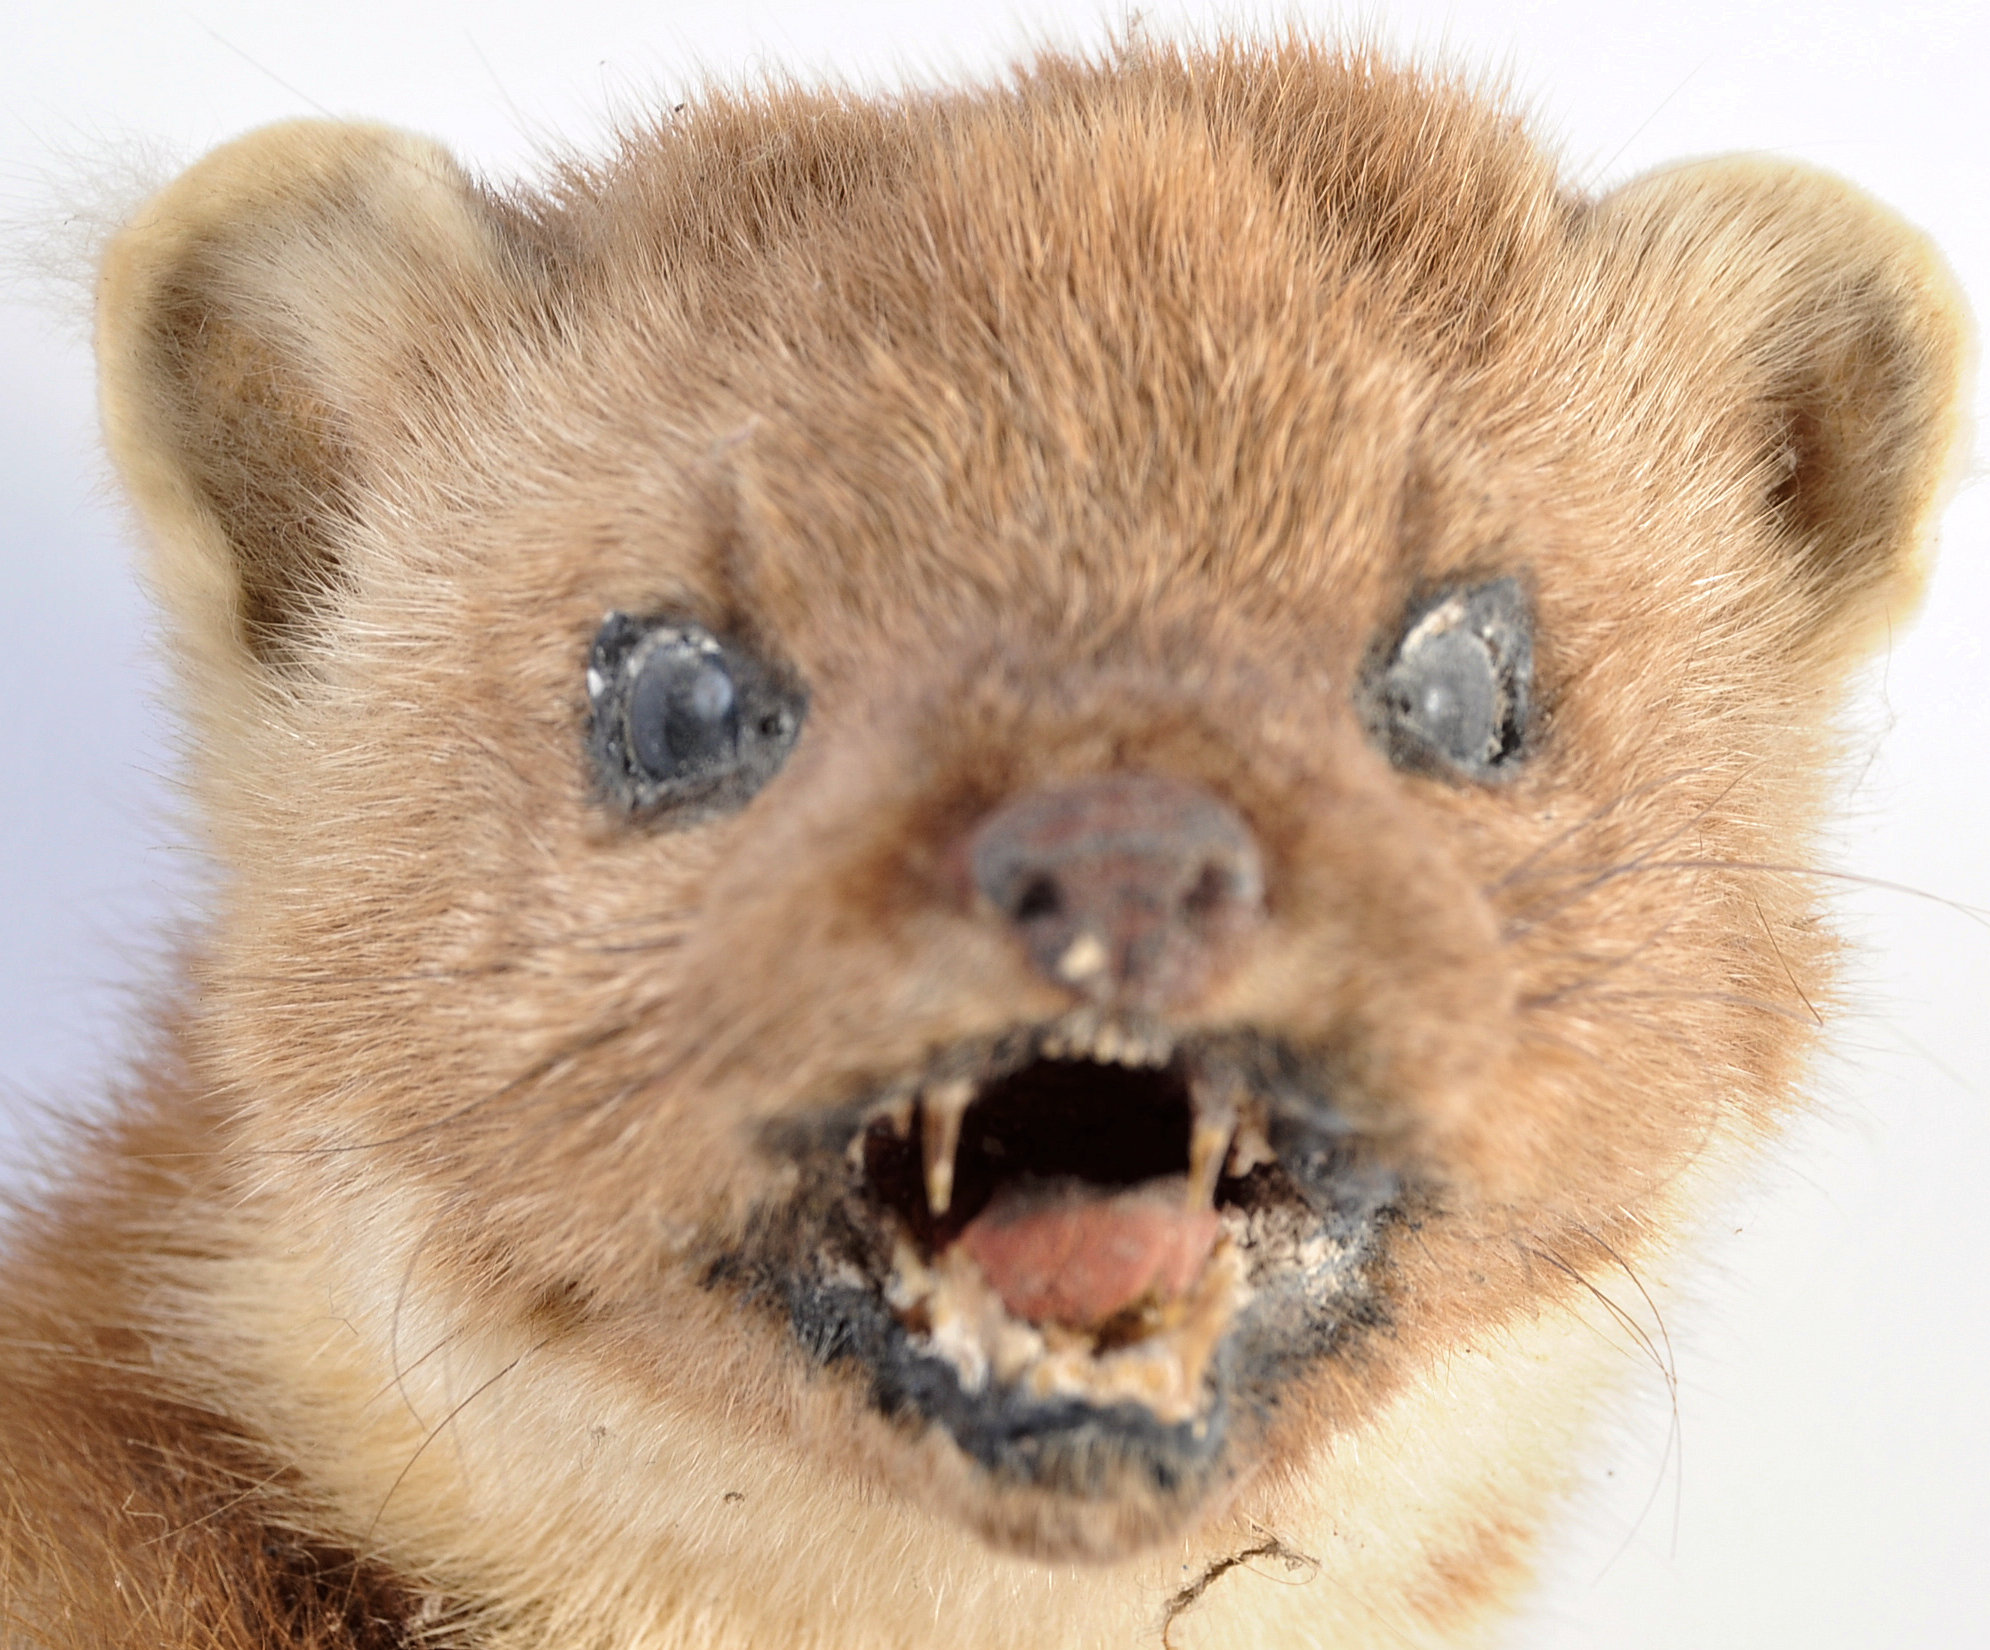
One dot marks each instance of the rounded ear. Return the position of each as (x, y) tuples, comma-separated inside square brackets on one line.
[(1839, 335), (268, 326)]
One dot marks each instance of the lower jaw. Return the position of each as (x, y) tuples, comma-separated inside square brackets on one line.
[(1088, 1451), (1164, 1366), (1060, 1476)]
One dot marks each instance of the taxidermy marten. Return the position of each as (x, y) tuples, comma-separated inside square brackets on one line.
[(977, 855)]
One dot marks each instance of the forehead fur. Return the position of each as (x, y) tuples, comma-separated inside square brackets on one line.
[(1094, 331)]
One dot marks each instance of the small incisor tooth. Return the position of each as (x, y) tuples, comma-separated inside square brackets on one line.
[(941, 1108), (1084, 958), (1209, 1138), (1250, 1149)]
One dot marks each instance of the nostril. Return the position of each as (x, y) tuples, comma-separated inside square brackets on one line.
[(1211, 891), (1039, 897)]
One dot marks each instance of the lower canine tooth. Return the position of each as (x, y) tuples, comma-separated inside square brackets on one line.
[(942, 1106), (1209, 1138), (1208, 1146)]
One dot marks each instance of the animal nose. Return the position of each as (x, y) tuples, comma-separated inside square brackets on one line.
[(1129, 889)]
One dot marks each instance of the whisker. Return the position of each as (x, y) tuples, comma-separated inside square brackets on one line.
[(1675, 1437), (519, 1087), (671, 943), (1974, 913), (1664, 1362), (677, 933), (394, 1327), (483, 971), (1775, 946), (399, 1380), (542, 1069), (1640, 1336), (1734, 999), (1521, 924), (1602, 967), (1671, 1365), (1635, 794), (436, 1431), (220, 1509)]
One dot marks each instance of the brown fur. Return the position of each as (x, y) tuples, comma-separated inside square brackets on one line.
[(1105, 420)]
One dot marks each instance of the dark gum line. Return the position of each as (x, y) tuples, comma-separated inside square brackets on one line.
[(1271, 1071)]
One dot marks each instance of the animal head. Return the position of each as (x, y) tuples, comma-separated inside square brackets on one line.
[(1023, 794)]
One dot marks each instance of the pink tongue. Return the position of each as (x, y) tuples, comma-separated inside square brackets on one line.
[(1074, 1254)]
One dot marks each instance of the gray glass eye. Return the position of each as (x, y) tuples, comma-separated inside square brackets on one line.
[(682, 713), (1453, 694), (685, 725)]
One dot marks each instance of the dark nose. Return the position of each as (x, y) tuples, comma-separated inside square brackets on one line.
[(1129, 888)]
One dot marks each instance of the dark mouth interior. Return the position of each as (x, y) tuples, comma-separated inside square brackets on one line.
[(1233, 1118), (1109, 1125)]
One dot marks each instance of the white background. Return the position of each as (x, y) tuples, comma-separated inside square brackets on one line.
[(1828, 1481)]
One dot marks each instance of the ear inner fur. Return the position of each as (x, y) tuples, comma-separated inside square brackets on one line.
[(262, 329), (1852, 341)]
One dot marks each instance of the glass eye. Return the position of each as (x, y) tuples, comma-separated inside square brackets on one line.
[(682, 713), (684, 721), (1454, 692)]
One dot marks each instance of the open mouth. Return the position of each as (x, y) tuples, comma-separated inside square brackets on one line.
[(1087, 1246)]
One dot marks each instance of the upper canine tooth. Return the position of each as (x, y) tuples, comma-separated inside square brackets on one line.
[(941, 1107), (894, 1112)]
